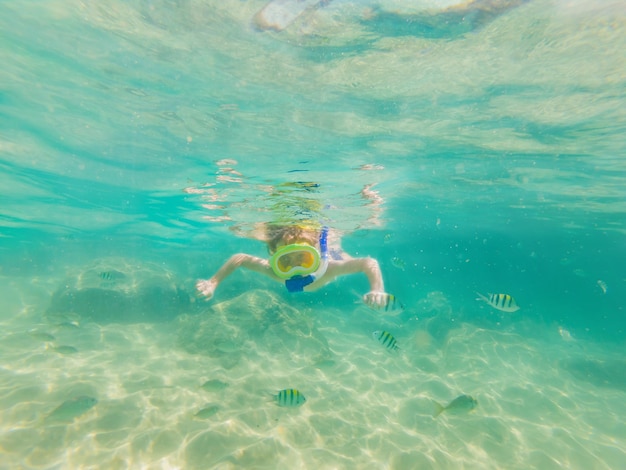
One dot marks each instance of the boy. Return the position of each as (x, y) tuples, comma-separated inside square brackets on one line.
[(301, 259)]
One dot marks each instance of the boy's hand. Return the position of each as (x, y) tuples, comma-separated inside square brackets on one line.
[(381, 300), (206, 287)]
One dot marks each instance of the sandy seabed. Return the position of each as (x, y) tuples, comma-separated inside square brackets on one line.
[(544, 402)]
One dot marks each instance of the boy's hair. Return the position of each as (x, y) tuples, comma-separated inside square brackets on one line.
[(289, 234)]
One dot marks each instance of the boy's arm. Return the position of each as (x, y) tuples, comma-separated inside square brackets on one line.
[(368, 266), (376, 297), (241, 260)]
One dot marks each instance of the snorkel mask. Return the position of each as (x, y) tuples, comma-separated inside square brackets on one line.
[(300, 264), (295, 260)]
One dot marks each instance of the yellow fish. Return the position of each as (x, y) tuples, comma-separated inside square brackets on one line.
[(207, 412), (71, 409), (398, 263), (65, 349), (42, 336), (503, 302), (461, 404), (214, 385)]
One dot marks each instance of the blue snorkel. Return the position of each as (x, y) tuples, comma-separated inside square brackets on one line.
[(298, 283)]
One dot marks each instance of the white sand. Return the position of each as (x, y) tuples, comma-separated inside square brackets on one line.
[(366, 408)]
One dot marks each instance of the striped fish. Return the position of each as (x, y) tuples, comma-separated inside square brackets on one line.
[(387, 340), (392, 303), (289, 397), (382, 301), (112, 275), (503, 302)]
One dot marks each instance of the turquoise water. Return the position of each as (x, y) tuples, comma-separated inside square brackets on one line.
[(467, 152)]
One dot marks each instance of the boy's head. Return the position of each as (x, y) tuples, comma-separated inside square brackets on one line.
[(282, 235)]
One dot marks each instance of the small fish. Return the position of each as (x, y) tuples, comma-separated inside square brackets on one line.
[(207, 412), (64, 349), (565, 334), (382, 301), (398, 263), (214, 385), (289, 397), (70, 325), (503, 302), (71, 409), (371, 167), (461, 404), (387, 340), (112, 275), (41, 336), (392, 303)]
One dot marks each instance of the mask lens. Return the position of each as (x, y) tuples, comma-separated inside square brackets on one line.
[(295, 259), (298, 258)]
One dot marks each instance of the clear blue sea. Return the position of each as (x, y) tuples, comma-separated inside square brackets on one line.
[(469, 147)]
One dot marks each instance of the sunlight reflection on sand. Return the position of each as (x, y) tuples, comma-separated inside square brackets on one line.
[(366, 408)]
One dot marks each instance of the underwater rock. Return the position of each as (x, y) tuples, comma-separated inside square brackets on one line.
[(606, 374), (435, 303), (436, 313), (256, 321), (111, 291)]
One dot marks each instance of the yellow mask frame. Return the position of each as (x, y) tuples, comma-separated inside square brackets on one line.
[(295, 260)]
